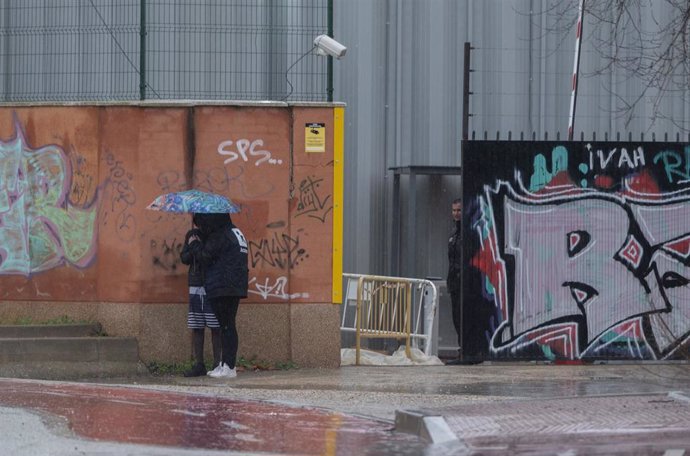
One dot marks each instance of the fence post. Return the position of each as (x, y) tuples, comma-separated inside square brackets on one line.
[(466, 91), (329, 83), (142, 49), (358, 316)]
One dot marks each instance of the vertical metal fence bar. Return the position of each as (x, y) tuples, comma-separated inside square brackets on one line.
[(329, 78), (358, 327), (408, 316), (142, 49)]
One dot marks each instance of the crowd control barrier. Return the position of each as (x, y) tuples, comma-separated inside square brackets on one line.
[(390, 308)]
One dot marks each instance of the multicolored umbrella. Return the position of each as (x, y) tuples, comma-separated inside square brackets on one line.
[(194, 201)]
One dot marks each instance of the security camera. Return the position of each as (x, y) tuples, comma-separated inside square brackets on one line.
[(325, 45)]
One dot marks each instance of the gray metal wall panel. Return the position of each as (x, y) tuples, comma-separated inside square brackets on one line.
[(522, 83), (365, 160)]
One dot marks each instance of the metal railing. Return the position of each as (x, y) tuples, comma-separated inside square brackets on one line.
[(390, 308)]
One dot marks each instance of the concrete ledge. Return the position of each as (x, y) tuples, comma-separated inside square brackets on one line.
[(307, 334), (60, 370), (37, 331), (69, 349)]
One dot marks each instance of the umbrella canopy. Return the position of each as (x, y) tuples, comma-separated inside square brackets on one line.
[(194, 201)]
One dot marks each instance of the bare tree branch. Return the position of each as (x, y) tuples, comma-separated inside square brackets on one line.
[(643, 40)]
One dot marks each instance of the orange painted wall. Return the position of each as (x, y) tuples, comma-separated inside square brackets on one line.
[(75, 181)]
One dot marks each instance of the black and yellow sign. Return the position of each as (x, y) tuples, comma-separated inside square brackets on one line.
[(315, 137)]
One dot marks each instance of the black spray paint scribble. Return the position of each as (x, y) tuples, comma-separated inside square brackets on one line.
[(122, 197), (312, 200)]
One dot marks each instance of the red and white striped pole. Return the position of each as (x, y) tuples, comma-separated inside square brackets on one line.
[(576, 71)]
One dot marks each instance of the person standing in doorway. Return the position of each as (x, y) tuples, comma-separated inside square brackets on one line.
[(454, 280), (224, 258)]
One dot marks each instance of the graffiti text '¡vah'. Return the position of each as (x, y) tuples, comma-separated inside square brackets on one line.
[(601, 159), (244, 149)]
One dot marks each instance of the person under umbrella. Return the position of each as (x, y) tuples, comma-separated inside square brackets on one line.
[(224, 259), (201, 313)]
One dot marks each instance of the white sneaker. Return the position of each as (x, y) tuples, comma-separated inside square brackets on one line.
[(223, 371), (214, 371)]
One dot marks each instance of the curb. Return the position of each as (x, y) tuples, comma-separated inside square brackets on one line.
[(680, 396), (430, 428)]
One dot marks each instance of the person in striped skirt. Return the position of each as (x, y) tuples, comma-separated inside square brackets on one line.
[(200, 314)]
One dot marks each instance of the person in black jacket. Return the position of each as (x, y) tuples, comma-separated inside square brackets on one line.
[(224, 259), (454, 280), (201, 313)]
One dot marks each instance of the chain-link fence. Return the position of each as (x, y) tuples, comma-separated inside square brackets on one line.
[(85, 50)]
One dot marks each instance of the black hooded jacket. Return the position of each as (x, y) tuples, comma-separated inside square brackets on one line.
[(195, 276), (223, 256), (454, 281)]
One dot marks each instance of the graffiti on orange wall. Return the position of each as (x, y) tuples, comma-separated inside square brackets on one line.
[(268, 288), (75, 181), (313, 201), (247, 151), (274, 251), (279, 250), (121, 200), (45, 222)]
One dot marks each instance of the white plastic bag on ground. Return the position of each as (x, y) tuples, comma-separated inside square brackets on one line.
[(398, 358)]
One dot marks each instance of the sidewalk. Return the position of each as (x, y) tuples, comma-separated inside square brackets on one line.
[(493, 408), (380, 391), (499, 408)]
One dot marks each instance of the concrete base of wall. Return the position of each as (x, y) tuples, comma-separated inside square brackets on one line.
[(306, 334)]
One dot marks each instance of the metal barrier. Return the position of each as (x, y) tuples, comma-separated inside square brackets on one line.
[(390, 308)]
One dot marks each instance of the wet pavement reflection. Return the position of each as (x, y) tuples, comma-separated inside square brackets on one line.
[(532, 388), (537, 388), (133, 415)]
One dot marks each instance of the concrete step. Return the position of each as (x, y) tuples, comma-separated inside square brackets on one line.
[(69, 349), (66, 352), (35, 331)]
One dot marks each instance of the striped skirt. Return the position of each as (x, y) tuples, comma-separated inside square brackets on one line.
[(200, 314)]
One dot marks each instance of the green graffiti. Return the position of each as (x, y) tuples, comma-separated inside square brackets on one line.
[(549, 302), (39, 228), (676, 165), (542, 175), (548, 354)]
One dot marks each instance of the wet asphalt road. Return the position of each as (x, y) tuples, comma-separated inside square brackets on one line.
[(323, 411), (197, 421)]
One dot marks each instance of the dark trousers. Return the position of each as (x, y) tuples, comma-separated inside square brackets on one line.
[(457, 317), (225, 308)]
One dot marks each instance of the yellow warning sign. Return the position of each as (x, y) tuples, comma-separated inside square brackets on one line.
[(315, 137)]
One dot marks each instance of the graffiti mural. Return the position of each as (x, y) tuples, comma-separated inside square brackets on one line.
[(577, 250), (40, 226)]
